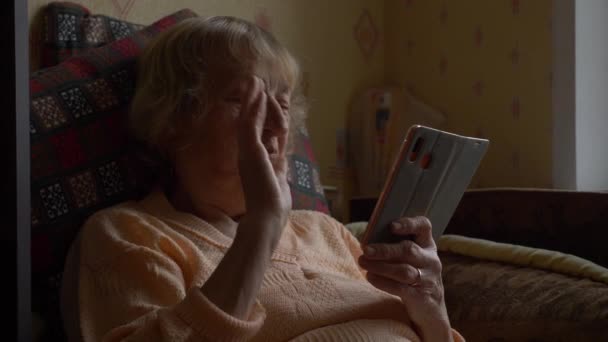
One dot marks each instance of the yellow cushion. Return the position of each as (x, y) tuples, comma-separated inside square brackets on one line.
[(524, 256)]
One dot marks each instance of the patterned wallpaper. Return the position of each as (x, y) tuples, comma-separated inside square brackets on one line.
[(487, 66)]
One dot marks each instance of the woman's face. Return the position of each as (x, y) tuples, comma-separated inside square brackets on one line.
[(208, 164)]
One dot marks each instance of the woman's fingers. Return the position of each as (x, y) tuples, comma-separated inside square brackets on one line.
[(389, 285), (277, 126), (280, 122), (420, 228), (402, 273), (252, 124), (404, 251), (254, 166), (265, 185), (253, 112)]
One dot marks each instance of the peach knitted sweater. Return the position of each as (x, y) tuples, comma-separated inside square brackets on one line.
[(141, 265)]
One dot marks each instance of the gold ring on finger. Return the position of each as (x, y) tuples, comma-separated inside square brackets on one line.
[(418, 279)]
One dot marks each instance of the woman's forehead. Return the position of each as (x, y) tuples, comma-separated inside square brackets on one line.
[(240, 82)]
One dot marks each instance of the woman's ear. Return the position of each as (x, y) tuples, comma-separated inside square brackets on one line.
[(178, 145), (183, 135)]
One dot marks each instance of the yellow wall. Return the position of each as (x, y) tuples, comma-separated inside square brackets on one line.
[(444, 49), (319, 33)]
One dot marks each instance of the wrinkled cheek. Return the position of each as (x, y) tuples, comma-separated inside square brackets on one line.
[(228, 155)]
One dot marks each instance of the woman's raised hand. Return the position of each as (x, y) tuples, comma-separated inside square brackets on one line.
[(234, 284), (264, 176)]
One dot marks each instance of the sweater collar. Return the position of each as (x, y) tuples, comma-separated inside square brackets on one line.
[(157, 204)]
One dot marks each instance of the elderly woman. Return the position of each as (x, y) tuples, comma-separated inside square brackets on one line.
[(214, 252)]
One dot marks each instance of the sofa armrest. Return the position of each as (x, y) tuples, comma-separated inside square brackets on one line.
[(567, 221), (571, 222)]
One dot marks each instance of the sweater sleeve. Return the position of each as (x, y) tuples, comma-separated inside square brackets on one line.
[(136, 286)]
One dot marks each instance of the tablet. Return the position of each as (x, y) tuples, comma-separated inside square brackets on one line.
[(428, 178)]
